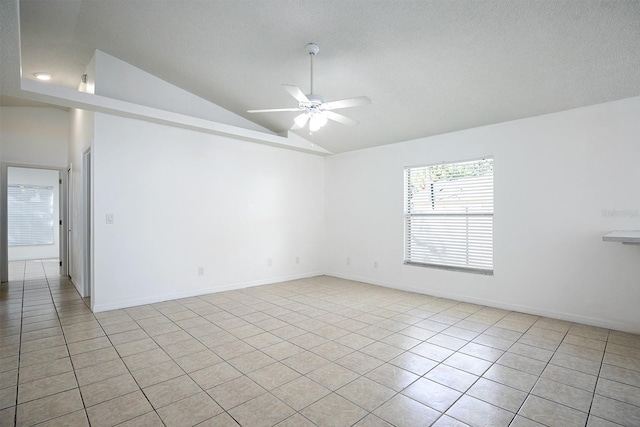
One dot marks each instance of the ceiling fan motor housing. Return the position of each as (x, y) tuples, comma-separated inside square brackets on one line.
[(315, 101), (312, 48)]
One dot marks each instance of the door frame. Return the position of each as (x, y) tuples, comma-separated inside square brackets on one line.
[(87, 226), (4, 223), (68, 230)]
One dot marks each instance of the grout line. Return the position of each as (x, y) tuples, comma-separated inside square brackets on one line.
[(68, 352), (15, 415), (595, 387), (541, 372)]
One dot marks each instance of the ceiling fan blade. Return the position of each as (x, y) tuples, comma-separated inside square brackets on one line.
[(345, 103), (300, 121), (273, 110), (340, 118), (296, 93)]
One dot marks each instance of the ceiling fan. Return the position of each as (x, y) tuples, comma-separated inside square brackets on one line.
[(312, 106)]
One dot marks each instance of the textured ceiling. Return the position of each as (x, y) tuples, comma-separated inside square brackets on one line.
[(430, 67)]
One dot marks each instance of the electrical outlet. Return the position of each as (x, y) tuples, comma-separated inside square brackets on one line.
[(297, 260), (109, 218), (348, 261), (200, 271), (269, 262), (375, 264)]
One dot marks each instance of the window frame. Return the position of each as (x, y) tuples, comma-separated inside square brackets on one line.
[(408, 215)]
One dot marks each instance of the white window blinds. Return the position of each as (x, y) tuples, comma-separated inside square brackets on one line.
[(30, 215), (449, 215)]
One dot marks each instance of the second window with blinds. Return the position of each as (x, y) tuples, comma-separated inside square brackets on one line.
[(449, 216)]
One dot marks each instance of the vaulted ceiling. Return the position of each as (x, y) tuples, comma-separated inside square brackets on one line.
[(430, 67)]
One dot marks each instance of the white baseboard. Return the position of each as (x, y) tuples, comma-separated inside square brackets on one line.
[(125, 303), (571, 317), (593, 321)]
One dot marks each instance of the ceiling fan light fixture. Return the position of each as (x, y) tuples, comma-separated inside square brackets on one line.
[(317, 121), (301, 120)]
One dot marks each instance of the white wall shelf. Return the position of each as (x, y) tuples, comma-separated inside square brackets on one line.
[(627, 237)]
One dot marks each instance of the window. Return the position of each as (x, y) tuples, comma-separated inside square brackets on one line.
[(30, 215), (449, 216)]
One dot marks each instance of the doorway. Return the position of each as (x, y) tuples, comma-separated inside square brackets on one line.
[(34, 216)]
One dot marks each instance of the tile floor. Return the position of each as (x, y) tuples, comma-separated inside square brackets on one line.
[(314, 352)]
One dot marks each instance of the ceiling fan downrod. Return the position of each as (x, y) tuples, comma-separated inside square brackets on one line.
[(313, 49)]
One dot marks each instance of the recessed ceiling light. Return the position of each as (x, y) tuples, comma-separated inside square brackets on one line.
[(43, 76)]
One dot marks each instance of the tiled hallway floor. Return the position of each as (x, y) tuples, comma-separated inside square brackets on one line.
[(321, 351)]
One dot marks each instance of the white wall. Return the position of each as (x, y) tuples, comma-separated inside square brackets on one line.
[(46, 178), (34, 136), (183, 200), (554, 177), (80, 140)]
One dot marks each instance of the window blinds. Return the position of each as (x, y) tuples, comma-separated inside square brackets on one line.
[(30, 215), (449, 215)]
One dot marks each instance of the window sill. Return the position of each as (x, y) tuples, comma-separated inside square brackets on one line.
[(451, 268)]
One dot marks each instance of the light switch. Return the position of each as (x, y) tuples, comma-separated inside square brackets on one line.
[(109, 218)]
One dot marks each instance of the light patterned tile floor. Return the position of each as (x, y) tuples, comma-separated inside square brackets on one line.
[(314, 352)]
